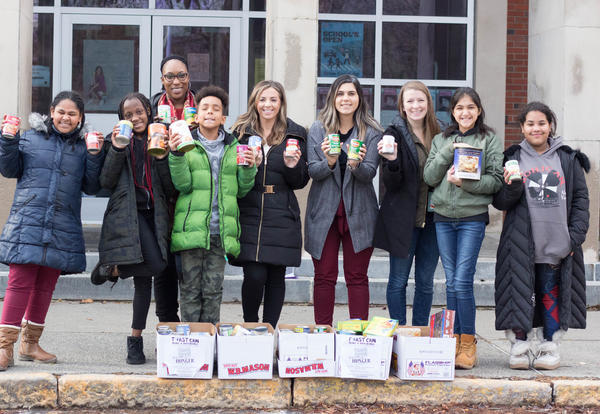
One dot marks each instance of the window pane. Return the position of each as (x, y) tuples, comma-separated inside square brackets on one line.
[(200, 4), (105, 64), (256, 53), (346, 47), (389, 103), (206, 50), (127, 4), (347, 6), (424, 51), (452, 8), (43, 2), (368, 93), (41, 82), (257, 5)]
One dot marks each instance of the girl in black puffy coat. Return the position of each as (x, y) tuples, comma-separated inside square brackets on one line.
[(540, 276), (271, 237)]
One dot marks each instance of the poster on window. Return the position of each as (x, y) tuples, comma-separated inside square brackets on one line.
[(341, 49), (108, 73)]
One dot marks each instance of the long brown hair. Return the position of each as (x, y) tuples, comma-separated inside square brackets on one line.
[(362, 118), (251, 120), (432, 127)]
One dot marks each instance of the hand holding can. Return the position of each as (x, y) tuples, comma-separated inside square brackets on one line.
[(124, 134), (241, 150), (157, 140), (10, 126), (512, 171), (92, 142), (164, 113), (388, 148)]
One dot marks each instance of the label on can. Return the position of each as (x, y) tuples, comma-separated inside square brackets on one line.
[(226, 329), (92, 143), (183, 328), (11, 126), (125, 132), (254, 142), (163, 330), (182, 128), (164, 113), (354, 149), (334, 144), (157, 139), (388, 144), (291, 146), (189, 114), (241, 159), (320, 329), (512, 166)]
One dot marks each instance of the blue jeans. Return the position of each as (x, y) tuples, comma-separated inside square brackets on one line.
[(459, 244), (424, 251)]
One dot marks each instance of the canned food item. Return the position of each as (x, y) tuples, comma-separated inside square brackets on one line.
[(260, 330), (346, 332), (182, 128), (302, 329), (291, 146), (11, 126), (226, 329), (241, 160), (189, 114), (183, 328), (334, 144), (388, 144), (512, 166), (354, 149), (157, 139), (320, 329), (92, 143), (163, 330), (125, 133), (254, 142), (164, 113)]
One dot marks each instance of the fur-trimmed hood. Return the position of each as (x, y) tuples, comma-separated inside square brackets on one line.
[(41, 123)]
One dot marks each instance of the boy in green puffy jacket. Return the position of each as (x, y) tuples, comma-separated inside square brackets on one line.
[(206, 227)]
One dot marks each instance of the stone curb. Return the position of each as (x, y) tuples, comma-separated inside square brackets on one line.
[(576, 393), (143, 391), (394, 391), (28, 391)]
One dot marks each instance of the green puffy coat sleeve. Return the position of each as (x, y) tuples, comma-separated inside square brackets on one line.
[(439, 160), (180, 173)]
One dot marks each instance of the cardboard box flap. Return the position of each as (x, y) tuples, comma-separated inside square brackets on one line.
[(194, 326)]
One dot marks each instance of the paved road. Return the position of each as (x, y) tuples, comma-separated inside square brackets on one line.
[(91, 338)]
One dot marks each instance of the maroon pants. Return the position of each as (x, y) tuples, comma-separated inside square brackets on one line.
[(28, 293), (355, 273)]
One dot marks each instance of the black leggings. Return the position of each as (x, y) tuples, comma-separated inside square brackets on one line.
[(262, 278)]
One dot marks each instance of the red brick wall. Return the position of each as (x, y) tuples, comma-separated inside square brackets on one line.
[(516, 67)]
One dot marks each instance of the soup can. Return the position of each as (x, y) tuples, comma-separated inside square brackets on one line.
[(354, 149), (512, 166), (388, 144), (164, 113), (182, 128), (241, 159), (11, 126), (125, 132), (291, 146), (163, 330), (302, 329), (157, 139), (334, 144), (189, 114), (226, 329), (183, 328), (92, 143), (254, 142)]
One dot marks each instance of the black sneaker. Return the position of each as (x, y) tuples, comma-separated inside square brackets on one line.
[(135, 350)]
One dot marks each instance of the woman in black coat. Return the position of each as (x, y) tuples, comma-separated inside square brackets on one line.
[(271, 237), (540, 276), (134, 241)]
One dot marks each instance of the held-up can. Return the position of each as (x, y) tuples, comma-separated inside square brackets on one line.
[(157, 139), (189, 114), (182, 128), (11, 126), (388, 144), (354, 149), (125, 132), (92, 143), (164, 113), (254, 142), (334, 144), (291, 146), (512, 166), (241, 159)]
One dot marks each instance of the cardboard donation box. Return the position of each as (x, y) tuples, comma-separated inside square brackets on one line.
[(247, 355), (422, 357), (185, 356), (363, 357), (305, 354)]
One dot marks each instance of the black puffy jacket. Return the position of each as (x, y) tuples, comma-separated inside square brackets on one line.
[(515, 264), (271, 227)]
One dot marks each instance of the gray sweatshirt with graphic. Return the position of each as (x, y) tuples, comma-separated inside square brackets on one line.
[(214, 150), (544, 183)]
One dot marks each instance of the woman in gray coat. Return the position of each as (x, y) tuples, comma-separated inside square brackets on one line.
[(342, 205)]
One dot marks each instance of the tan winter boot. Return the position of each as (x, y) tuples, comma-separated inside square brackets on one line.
[(8, 336), (29, 348), (457, 337), (467, 355)]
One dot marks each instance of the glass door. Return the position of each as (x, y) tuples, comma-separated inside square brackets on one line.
[(212, 49), (104, 57)]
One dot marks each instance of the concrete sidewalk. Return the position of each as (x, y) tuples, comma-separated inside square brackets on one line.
[(89, 340)]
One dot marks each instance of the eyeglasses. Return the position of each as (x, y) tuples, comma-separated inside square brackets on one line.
[(170, 77)]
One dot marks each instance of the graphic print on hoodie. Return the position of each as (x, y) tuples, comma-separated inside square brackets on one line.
[(544, 183)]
